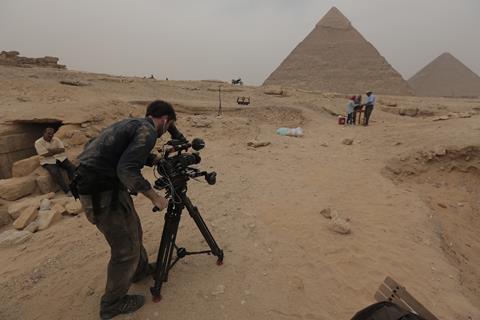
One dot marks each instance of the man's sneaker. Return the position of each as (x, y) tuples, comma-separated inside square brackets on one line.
[(128, 304)]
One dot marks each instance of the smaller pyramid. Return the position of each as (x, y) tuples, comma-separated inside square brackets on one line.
[(446, 76)]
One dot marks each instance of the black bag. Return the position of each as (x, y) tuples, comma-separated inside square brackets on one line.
[(385, 310)]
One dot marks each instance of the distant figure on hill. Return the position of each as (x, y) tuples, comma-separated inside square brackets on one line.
[(54, 160), (371, 100), (350, 107)]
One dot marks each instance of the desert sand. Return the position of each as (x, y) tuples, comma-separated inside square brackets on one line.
[(408, 185)]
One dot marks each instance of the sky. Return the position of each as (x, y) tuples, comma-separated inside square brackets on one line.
[(226, 39)]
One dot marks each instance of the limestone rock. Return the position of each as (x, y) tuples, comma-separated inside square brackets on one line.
[(26, 166), (273, 91), (66, 131), (11, 238), (327, 213), (201, 122), (26, 217), (46, 184), (16, 188), (48, 217), (32, 227), (411, 112), (258, 144), (340, 225), (45, 204), (59, 208), (4, 216), (61, 201), (347, 141), (441, 118), (78, 138), (74, 207), (16, 208)]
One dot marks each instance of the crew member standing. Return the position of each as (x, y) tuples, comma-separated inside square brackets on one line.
[(369, 105)]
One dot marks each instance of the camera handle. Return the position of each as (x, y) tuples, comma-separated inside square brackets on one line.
[(168, 245)]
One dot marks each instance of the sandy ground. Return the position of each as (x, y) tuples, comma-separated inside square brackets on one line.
[(282, 261)]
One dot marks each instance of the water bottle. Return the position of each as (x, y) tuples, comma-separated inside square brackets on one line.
[(292, 132)]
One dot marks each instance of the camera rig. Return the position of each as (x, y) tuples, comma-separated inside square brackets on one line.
[(175, 170)]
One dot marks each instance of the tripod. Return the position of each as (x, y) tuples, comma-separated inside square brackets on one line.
[(177, 203)]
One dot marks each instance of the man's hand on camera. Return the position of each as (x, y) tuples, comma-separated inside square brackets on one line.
[(157, 200), (161, 203)]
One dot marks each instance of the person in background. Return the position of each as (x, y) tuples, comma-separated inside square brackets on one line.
[(350, 107), (357, 108), (53, 158), (369, 105)]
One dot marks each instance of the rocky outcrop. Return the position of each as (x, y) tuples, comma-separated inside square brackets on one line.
[(13, 58)]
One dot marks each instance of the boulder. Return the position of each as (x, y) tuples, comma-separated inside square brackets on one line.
[(340, 225), (411, 112), (258, 144), (45, 204), (201, 122), (26, 217), (74, 207), (275, 91), (347, 141), (59, 208), (17, 207), (61, 201), (66, 131), (48, 217), (78, 138), (16, 188), (4, 216), (26, 166), (46, 184), (32, 227), (11, 238)]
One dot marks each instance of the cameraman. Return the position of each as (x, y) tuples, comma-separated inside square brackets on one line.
[(109, 170)]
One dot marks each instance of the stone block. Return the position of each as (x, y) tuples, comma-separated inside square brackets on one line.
[(5, 218), (26, 217), (16, 208), (25, 167), (16, 188), (46, 184), (48, 217), (74, 207), (32, 227)]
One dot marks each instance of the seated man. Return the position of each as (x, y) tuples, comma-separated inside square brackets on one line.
[(53, 158)]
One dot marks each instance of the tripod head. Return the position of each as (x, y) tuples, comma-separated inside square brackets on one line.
[(175, 168)]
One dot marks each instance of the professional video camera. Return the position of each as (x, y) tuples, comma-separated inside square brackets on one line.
[(175, 170)]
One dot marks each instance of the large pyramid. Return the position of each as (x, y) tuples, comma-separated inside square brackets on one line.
[(446, 76), (335, 57)]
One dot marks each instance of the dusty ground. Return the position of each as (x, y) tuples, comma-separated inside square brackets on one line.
[(412, 216)]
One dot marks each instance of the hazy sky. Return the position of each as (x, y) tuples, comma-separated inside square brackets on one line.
[(225, 39)]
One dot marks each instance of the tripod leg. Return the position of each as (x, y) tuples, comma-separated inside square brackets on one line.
[(195, 214), (165, 251)]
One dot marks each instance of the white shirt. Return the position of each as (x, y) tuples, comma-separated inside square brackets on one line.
[(42, 146), (371, 100)]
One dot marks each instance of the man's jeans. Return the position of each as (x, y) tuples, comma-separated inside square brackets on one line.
[(116, 218), (55, 171)]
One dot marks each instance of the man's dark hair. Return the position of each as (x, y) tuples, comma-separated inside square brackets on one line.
[(159, 108)]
